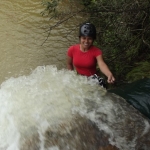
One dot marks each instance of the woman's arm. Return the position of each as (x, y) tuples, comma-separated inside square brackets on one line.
[(69, 63), (104, 68)]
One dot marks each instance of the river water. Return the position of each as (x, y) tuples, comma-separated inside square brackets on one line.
[(37, 94), (41, 111), (23, 31), (137, 94)]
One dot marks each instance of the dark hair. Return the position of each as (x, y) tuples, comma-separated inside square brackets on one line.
[(87, 29)]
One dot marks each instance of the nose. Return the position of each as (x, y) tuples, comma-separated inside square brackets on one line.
[(86, 40)]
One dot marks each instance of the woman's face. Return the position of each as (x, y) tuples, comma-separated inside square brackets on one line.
[(86, 42)]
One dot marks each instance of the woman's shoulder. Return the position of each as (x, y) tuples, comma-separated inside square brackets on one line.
[(96, 50), (74, 47)]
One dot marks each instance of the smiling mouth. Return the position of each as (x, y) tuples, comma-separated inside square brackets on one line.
[(86, 44)]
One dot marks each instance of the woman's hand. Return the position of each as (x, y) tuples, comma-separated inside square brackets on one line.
[(111, 79)]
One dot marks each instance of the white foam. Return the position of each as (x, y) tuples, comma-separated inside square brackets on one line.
[(50, 97), (147, 127), (46, 96)]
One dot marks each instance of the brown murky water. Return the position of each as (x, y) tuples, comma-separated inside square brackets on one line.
[(22, 33)]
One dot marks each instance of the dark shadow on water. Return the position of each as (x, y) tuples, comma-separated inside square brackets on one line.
[(137, 94)]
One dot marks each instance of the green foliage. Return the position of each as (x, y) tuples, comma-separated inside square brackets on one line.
[(123, 29), (50, 7), (139, 71), (122, 33)]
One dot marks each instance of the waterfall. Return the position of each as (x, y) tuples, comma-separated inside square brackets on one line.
[(53, 109)]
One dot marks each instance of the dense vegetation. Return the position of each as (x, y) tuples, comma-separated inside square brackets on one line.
[(123, 33)]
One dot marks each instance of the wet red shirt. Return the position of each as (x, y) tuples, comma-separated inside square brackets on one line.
[(84, 62)]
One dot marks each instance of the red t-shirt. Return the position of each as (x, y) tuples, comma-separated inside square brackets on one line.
[(84, 62)]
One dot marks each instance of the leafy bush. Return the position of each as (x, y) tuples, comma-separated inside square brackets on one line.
[(123, 31)]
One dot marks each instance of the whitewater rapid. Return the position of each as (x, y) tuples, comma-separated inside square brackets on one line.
[(49, 98)]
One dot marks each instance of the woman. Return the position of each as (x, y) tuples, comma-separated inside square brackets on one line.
[(84, 57)]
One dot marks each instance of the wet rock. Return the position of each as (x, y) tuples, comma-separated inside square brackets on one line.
[(73, 114), (124, 128), (80, 134)]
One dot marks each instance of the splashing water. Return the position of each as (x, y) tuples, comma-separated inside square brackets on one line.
[(36, 102), (48, 98)]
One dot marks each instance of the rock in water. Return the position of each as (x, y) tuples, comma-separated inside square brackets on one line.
[(57, 110)]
